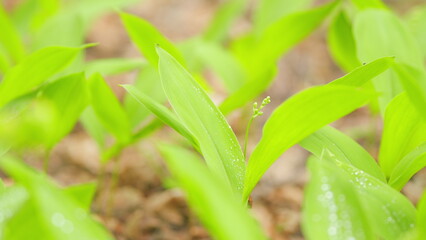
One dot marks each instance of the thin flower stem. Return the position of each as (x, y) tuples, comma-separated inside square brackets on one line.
[(247, 135)]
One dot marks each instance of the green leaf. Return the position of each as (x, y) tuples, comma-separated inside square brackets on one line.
[(146, 37), (11, 200), (379, 33), (34, 70), (200, 116), (70, 26), (341, 43), (283, 34), (414, 82), (276, 40), (94, 126), (421, 217), (331, 141), (109, 110), (163, 113), (332, 209), (148, 81), (30, 15), (391, 215), (113, 66), (247, 92), (404, 129), (206, 193), (366, 4), (45, 10), (83, 193), (68, 96), (61, 29), (409, 165), (416, 21), (27, 122), (54, 213), (362, 74), (270, 11), (4, 62), (225, 65), (10, 40), (223, 19), (298, 117)]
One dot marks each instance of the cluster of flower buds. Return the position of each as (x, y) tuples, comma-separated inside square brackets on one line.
[(258, 111)]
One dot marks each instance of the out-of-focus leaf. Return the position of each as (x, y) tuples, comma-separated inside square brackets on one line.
[(148, 82), (94, 127), (296, 118), (276, 40), (91, 9), (409, 165), (269, 11), (207, 193), (163, 113), (223, 20), (421, 217), (362, 74), (72, 22), (404, 129), (250, 90), (341, 43), (109, 110), (10, 40), (342, 147), (27, 122), (62, 29), (223, 64), (417, 24), (83, 193), (54, 213), (46, 8), (332, 209), (391, 215), (4, 62), (30, 15), (414, 82), (283, 34), (11, 200), (34, 70), (69, 98), (200, 116), (146, 37), (366, 4), (379, 33), (147, 129), (113, 66)]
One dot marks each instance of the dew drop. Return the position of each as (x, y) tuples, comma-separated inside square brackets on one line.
[(58, 219)]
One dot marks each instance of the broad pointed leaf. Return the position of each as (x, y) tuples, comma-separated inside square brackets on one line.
[(146, 37), (200, 116), (409, 165), (342, 147), (163, 113), (108, 109), (404, 129), (297, 118), (332, 208), (34, 70)]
